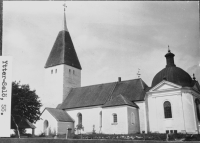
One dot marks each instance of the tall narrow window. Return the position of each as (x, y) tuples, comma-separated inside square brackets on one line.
[(51, 71), (56, 71), (73, 71), (46, 124), (100, 116), (79, 118), (132, 118), (167, 109), (114, 118), (198, 108), (69, 71)]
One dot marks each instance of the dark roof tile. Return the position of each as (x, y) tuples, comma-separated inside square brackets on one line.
[(97, 95), (119, 101), (63, 52), (60, 115)]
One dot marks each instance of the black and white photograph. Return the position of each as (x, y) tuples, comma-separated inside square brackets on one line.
[(120, 70)]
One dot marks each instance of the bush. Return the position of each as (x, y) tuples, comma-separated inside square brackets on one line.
[(149, 136), (42, 135)]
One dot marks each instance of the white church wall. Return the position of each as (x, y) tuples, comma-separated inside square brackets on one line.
[(90, 118), (63, 126), (52, 124), (133, 120), (54, 85), (195, 110), (157, 121), (72, 78), (121, 127), (189, 112), (142, 116), (58, 81)]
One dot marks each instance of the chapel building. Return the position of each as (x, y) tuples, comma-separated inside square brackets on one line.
[(170, 105)]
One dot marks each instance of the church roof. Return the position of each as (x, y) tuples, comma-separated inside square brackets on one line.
[(60, 115), (63, 52), (98, 95), (118, 101), (172, 73)]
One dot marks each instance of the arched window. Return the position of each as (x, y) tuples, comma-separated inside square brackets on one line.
[(198, 108), (132, 118), (100, 116), (46, 124), (114, 118), (79, 118), (167, 109)]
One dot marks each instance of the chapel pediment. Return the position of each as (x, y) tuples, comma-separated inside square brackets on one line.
[(165, 85)]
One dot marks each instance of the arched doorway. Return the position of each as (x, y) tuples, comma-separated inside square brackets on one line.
[(46, 125)]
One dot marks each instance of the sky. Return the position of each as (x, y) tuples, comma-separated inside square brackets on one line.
[(112, 38)]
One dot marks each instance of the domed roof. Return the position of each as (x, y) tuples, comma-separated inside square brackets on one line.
[(172, 73)]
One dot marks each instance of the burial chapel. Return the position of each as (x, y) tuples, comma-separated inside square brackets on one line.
[(170, 105)]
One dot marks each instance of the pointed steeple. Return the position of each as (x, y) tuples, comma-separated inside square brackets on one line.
[(63, 51), (64, 22)]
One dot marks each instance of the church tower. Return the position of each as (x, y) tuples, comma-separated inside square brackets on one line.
[(62, 69)]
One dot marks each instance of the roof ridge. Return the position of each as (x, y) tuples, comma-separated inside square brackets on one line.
[(51, 108), (105, 83), (101, 94), (110, 95), (124, 99), (53, 116), (141, 83)]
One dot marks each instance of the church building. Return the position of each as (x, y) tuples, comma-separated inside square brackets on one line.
[(170, 105)]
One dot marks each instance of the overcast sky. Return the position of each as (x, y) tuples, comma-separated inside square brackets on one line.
[(112, 39)]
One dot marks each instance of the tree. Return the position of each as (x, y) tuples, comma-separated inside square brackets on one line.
[(25, 104)]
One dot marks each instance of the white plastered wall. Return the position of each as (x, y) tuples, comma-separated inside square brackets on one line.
[(108, 127), (59, 82), (196, 96), (183, 112), (157, 121), (71, 79), (142, 116), (40, 123), (64, 126), (133, 124), (90, 118), (189, 112), (54, 85)]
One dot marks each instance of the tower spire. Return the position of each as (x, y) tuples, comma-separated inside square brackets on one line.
[(65, 23), (170, 58)]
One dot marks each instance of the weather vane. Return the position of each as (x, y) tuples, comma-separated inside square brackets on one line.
[(138, 73), (64, 5), (168, 49)]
